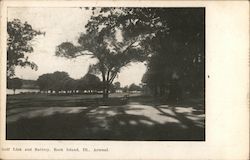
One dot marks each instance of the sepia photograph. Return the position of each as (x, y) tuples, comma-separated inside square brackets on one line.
[(105, 73)]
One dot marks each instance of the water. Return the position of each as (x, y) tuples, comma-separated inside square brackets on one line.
[(18, 91)]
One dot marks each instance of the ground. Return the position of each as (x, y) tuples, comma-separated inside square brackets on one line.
[(87, 117)]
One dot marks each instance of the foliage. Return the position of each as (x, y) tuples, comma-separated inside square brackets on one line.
[(134, 87), (176, 44), (89, 82), (170, 40), (178, 57), (101, 41), (70, 84), (60, 81), (117, 85), (19, 43), (53, 81), (125, 89), (14, 83)]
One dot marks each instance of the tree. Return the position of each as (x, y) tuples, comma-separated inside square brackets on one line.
[(125, 89), (102, 43), (14, 83), (117, 85), (70, 85), (45, 82), (178, 59), (19, 43), (53, 81), (134, 87), (58, 80), (177, 44), (89, 82)]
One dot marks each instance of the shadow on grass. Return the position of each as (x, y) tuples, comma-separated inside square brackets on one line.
[(108, 123)]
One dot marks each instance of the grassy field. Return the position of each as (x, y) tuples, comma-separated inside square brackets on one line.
[(43, 100), (88, 117)]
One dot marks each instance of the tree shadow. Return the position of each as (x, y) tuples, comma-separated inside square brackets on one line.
[(105, 123)]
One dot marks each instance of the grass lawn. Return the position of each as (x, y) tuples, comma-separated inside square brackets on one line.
[(87, 117)]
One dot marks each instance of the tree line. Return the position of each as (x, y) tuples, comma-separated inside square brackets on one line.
[(61, 82)]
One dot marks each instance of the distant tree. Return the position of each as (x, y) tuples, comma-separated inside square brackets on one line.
[(117, 85), (20, 36), (45, 82), (14, 83), (125, 89), (53, 81), (70, 85), (58, 80), (89, 82), (112, 88), (134, 87)]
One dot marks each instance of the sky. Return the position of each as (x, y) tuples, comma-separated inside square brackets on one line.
[(61, 25)]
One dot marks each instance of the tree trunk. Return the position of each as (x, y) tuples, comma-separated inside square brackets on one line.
[(107, 90), (14, 90), (104, 96)]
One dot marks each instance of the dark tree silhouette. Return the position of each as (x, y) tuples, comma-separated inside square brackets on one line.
[(14, 83), (134, 87), (44, 82), (178, 59), (176, 45), (89, 82), (70, 85), (53, 81), (125, 89), (117, 85), (58, 80), (20, 36)]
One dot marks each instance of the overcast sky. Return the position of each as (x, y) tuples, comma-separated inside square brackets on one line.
[(60, 25)]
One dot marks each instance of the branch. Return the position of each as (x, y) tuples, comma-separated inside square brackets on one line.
[(127, 48), (81, 54), (112, 78), (113, 75), (108, 75), (68, 50)]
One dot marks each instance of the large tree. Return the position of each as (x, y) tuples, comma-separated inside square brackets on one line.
[(176, 48), (105, 41), (19, 44), (179, 57), (170, 39)]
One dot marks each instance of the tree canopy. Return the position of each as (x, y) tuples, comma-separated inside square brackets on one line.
[(180, 55), (89, 82), (14, 83), (53, 81), (19, 43), (134, 87), (103, 41), (61, 81), (171, 40)]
